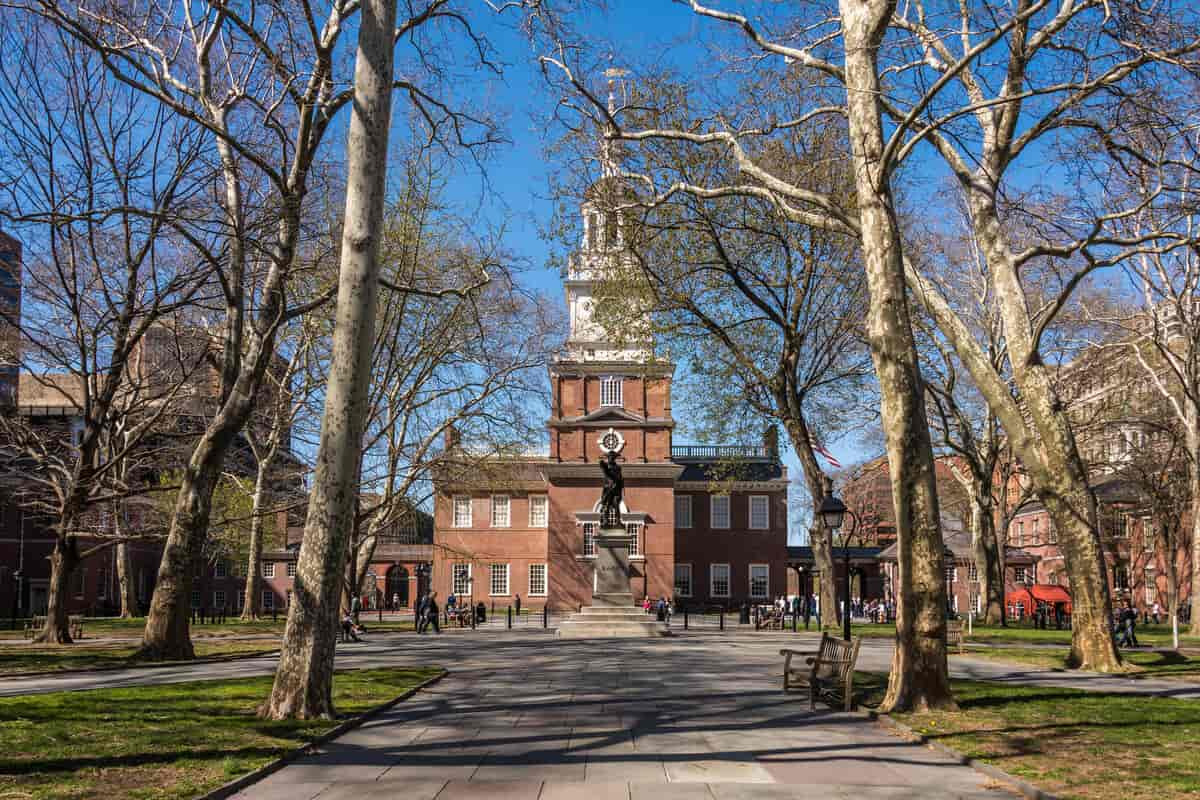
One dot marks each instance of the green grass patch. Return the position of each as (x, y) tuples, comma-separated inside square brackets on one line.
[(1146, 664), (151, 742), (1153, 635), (1074, 744), (112, 627), (19, 659)]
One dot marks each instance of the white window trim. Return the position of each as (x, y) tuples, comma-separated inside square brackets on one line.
[(687, 499), (712, 591), (750, 576), (268, 569), (220, 569), (454, 511), (610, 384), (267, 600), (584, 532), (507, 512), (750, 512), (218, 598), (545, 580), (291, 569), (691, 580), (545, 500), (712, 511), (492, 580), (636, 553), (453, 567)]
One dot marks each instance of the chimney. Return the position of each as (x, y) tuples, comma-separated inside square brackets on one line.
[(771, 442), (453, 438)]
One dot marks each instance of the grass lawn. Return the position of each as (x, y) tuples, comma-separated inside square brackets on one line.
[(112, 627), (18, 659), (1146, 664), (1073, 744), (173, 741)]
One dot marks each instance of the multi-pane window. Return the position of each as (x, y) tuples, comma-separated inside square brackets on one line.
[(760, 580), (1019, 574), (1034, 532), (1147, 534), (683, 511), (268, 599), (499, 579), (972, 573), (718, 580), (610, 390), (1121, 577), (683, 580), (634, 529), (1052, 531), (760, 512), (195, 598), (1123, 526), (268, 569), (951, 575), (1151, 587), (220, 570), (291, 569), (461, 579), (589, 538), (720, 510), (539, 510), (219, 598), (462, 512), (500, 516), (1020, 534), (537, 579)]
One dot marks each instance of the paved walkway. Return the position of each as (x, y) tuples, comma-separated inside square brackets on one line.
[(540, 719), (389, 649)]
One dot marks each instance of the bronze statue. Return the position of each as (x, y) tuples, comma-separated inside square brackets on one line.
[(614, 491)]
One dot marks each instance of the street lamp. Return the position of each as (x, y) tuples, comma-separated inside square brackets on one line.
[(832, 512)]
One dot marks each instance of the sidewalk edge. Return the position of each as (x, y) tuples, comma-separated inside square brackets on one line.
[(237, 784), (1026, 788)]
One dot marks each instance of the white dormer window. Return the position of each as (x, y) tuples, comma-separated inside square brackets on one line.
[(610, 390)]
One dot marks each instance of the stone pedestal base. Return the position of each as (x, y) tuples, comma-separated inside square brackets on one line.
[(612, 612)]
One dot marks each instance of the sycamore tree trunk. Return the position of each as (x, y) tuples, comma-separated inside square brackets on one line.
[(64, 558), (987, 556), (304, 681), (250, 606), (125, 588), (1171, 546), (1048, 449), (1193, 439), (167, 632), (919, 676), (822, 544)]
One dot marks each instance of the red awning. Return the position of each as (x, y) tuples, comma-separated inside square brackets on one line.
[(1021, 596), (1051, 593)]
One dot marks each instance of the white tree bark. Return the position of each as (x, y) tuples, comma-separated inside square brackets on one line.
[(304, 681)]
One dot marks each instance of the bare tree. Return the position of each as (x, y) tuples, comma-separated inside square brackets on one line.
[(98, 179)]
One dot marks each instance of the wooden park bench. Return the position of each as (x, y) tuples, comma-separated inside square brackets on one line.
[(954, 634), (830, 666), (35, 625)]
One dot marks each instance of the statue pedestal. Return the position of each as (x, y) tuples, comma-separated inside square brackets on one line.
[(612, 612)]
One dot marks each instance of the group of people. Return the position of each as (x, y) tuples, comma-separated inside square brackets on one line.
[(662, 608), (426, 613)]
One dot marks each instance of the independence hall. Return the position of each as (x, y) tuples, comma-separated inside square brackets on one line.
[(707, 524)]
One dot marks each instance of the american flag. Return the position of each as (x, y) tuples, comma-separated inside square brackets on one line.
[(820, 450)]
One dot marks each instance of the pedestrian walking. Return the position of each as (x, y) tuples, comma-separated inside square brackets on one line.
[(1156, 612), (1128, 625), (419, 612), (517, 604), (355, 606), (431, 613)]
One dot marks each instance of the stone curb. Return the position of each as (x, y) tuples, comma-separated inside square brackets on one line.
[(1026, 788), (50, 673), (237, 784)]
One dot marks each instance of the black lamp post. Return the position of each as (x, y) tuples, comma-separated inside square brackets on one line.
[(832, 512), (16, 576)]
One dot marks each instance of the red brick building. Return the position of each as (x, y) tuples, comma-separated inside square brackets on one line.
[(707, 524)]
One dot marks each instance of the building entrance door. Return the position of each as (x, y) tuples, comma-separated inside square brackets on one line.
[(397, 585)]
